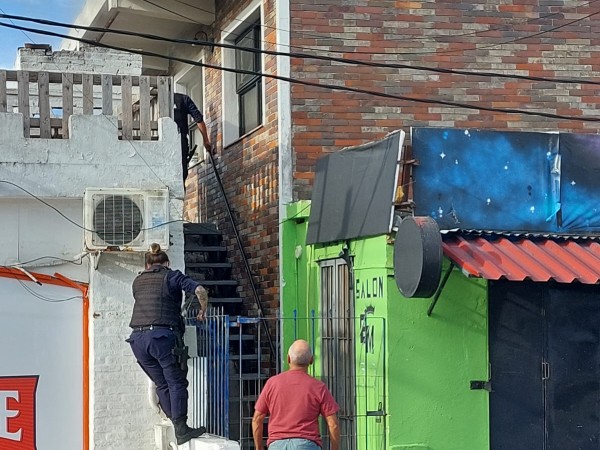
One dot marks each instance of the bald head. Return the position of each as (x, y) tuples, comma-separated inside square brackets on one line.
[(300, 353)]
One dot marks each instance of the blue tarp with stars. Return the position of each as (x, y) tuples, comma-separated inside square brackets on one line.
[(507, 181)]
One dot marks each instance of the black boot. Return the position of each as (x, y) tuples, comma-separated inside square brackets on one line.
[(183, 433)]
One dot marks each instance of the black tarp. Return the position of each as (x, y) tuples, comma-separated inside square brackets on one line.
[(354, 190)]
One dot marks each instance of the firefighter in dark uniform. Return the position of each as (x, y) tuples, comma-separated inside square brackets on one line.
[(184, 107), (156, 339)]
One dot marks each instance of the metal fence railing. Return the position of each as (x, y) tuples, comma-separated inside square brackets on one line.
[(234, 363)]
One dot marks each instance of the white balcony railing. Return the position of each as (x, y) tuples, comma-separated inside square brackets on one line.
[(48, 99)]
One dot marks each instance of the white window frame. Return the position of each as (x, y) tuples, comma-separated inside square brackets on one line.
[(182, 87), (230, 103)]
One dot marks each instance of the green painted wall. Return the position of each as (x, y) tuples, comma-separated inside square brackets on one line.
[(416, 368), (432, 361)]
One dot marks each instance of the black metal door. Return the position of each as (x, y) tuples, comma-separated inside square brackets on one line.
[(516, 340), (545, 366), (573, 373)]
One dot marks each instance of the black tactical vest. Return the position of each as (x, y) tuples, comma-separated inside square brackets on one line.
[(154, 304)]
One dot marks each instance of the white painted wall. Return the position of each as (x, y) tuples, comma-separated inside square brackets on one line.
[(84, 60), (59, 171)]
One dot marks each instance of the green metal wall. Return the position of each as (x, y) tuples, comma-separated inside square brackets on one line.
[(417, 368)]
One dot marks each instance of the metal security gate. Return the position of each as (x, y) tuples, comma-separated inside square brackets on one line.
[(337, 345), (228, 374)]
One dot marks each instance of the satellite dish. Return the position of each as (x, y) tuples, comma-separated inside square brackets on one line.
[(418, 257)]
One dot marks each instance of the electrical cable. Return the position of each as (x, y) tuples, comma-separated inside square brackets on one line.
[(445, 51), (82, 94), (60, 213), (130, 141), (313, 84), (38, 295), (44, 298), (56, 258), (306, 55), (412, 38)]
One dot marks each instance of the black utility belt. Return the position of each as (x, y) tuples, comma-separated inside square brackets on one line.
[(153, 327)]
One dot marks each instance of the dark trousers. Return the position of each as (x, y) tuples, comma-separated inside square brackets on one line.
[(185, 151), (153, 350)]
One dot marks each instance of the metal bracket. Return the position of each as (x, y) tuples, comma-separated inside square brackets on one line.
[(379, 413), (481, 385), (436, 297)]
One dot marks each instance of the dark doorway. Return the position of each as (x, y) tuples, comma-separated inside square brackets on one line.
[(545, 366)]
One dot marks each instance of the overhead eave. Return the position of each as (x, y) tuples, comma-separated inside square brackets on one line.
[(169, 18)]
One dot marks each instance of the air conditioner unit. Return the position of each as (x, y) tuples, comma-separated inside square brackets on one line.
[(125, 219)]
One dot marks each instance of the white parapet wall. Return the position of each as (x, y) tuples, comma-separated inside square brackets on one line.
[(84, 60), (59, 170)]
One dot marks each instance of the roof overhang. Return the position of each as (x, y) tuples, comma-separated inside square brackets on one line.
[(170, 18), (519, 259)]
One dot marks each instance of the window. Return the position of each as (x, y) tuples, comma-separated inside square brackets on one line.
[(191, 83), (243, 93), (248, 86)]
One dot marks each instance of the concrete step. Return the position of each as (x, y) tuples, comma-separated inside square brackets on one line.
[(197, 229), (210, 442)]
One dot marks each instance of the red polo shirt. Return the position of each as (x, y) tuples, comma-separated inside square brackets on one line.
[(293, 400)]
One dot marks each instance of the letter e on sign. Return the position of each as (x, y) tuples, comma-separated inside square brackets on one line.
[(17, 412)]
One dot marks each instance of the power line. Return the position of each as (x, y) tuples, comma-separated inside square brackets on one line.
[(68, 219), (312, 84), (43, 297), (55, 258), (306, 55), (413, 38), (512, 41), (8, 16)]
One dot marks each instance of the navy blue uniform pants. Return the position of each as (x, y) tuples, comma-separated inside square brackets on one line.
[(185, 151), (153, 350)]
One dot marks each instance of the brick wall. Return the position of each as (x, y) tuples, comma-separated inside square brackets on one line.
[(248, 168), (452, 35), (436, 34)]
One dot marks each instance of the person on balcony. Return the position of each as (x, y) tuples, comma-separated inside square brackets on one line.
[(184, 107), (157, 336), (294, 400)]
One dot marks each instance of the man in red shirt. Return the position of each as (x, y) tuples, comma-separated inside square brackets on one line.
[(293, 400)]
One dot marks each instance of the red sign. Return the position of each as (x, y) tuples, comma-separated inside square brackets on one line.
[(17, 412)]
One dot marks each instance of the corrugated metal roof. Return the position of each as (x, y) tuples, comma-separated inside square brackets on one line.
[(564, 261)]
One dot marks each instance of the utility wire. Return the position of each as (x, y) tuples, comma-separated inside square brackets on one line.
[(412, 38), (313, 84), (307, 55), (56, 258), (68, 219), (37, 294), (130, 141), (8, 16)]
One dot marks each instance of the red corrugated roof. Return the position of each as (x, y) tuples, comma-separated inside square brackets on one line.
[(538, 260)]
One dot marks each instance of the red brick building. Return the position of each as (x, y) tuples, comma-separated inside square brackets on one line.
[(268, 133)]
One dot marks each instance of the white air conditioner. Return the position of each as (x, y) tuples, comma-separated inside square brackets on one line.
[(125, 219)]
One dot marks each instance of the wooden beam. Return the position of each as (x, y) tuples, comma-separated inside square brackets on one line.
[(44, 105), (88, 94), (3, 101), (107, 95), (56, 77), (67, 99), (23, 96), (127, 107), (145, 132), (165, 97)]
